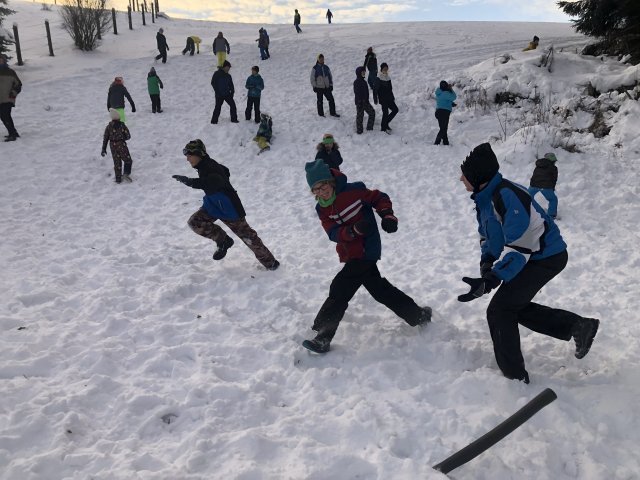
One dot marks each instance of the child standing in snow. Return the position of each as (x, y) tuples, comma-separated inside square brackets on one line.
[(254, 86), (521, 250), (154, 84), (445, 96), (263, 137), (346, 213), (329, 152), (543, 180), (117, 134), (361, 94)]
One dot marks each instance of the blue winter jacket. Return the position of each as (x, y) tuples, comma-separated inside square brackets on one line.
[(255, 85), (513, 228), (321, 76), (445, 99)]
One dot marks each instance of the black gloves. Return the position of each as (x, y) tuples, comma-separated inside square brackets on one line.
[(315, 90), (133, 108), (361, 228), (103, 153), (389, 223), (479, 286), (182, 179), (453, 104)]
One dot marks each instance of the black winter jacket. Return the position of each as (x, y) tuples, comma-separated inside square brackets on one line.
[(384, 89), (332, 158), (116, 95), (361, 90), (222, 83), (162, 41), (545, 175), (213, 179)]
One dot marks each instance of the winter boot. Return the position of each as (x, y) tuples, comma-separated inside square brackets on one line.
[(126, 178), (274, 265), (425, 315), (319, 344), (583, 332), (223, 246)]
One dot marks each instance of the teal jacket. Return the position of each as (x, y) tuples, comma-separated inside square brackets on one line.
[(255, 85)]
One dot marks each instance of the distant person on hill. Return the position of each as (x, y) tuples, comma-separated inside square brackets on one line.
[(116, 96), (386, 98), (346, 212), (445, 97), (543, 180), (117, 134), (263, 44), (296, 21), (322, 83), (10, 87), (266, 48), (162, 46), (193, 45), (328, 151), (254, 86), (154, 84), (221, 48), (521, 250), (371, 64), (222, 84), (533, 44), (361, 94), (220, 202), (329, 16)]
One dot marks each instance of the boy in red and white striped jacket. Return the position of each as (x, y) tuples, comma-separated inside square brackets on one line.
[(346, 212)]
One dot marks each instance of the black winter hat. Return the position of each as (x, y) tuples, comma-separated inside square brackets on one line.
[(359, 70), (444, 85), (480, 166), (226, 64)]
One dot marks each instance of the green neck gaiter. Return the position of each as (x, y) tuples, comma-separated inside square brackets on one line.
[(328, 201)]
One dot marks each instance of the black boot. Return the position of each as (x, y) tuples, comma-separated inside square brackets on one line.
[(223, 246), (425, 315), (319, 344), (583, 332)]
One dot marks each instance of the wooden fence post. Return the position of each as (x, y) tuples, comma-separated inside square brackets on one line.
[(129, 14), (157, 6), (153, 19), (113, 17), (144, 22), (46, 25), (16, 40)]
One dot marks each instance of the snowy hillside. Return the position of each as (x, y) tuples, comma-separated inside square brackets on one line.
[(127, 353)]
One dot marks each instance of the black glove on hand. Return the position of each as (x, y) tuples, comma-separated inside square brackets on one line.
[(133, 108), (103, 153), (453, 104), (360, 228), (389, 223), (315, 90), (479, 286), (485, 268), (183, 179)]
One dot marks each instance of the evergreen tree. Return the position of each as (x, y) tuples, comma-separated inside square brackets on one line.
[(5, 39), (615, 22)]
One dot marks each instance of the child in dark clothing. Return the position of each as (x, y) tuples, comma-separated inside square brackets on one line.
[(543, 180), (329, 151), (263, 137), (117, 134), (346, 213)]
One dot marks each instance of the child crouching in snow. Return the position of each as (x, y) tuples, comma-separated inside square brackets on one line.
[(117, 134), (346, 213), (263, 137)]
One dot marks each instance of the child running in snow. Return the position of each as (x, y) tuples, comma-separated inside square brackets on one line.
[(346, 213), (154, 84), (117, 134)]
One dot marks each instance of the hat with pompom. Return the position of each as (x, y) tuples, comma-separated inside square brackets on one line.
[(317, 171)]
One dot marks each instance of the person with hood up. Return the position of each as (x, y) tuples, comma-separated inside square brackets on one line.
[(116, 95), (254, 86), (220, 202), (543, 180), (329, 152), (521, 250), (371, 64), (116, 135), (329, 16), (386, 98), (193, 45), (361, 93), (322, 84), (222, 84), (346, 212), (10, 87), (445, 97), (221, 49), (162, 46), (263, 44), (154, 84)]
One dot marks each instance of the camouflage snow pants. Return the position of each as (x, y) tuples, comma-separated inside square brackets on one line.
[(204, 224), (120, 153)]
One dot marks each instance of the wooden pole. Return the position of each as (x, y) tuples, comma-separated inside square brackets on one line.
[(144, 22), (153, 18), (129, 14), (46, 25), (113, 17), (16, 40)]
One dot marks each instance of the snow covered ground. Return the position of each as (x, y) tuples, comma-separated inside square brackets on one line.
[(127, 353)]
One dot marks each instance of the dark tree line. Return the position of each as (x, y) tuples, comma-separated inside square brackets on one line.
[(615, 23)]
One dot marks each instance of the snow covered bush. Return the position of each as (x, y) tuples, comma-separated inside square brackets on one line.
[(85, 21)]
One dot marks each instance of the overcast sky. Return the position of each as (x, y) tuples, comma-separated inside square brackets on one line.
[(364, 11)]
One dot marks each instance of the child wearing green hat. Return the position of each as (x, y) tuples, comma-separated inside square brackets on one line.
[(329, 151), (346, 213), (544, 179)]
